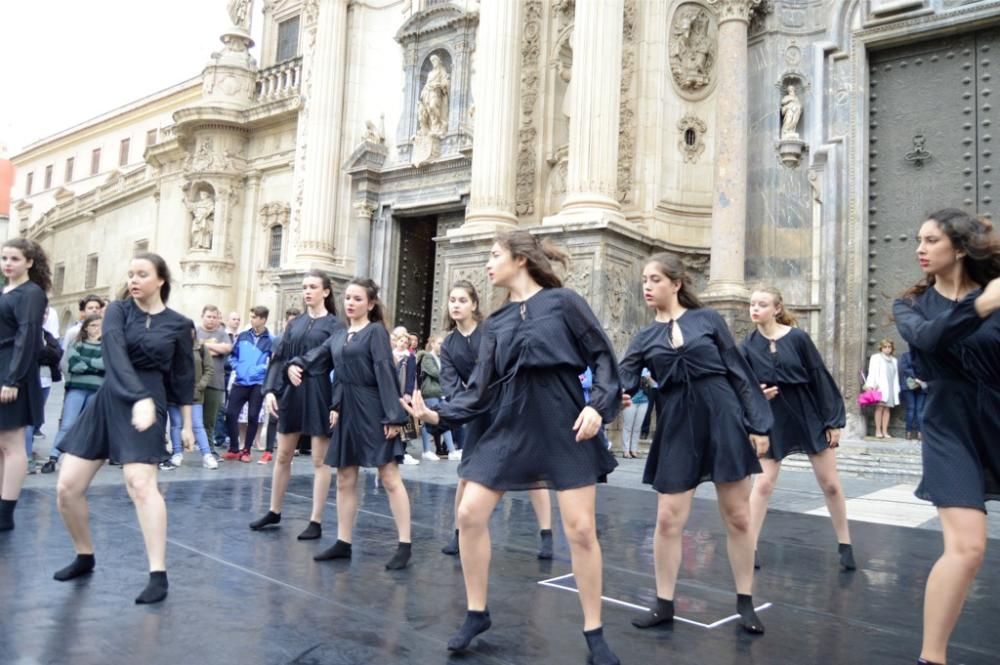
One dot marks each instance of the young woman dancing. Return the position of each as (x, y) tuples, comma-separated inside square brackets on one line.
[(22, 306), (542, 434), (458, 358), (364, 413), (942, 318), (807, 408), (302, 407), (713, 426), (147, 364)]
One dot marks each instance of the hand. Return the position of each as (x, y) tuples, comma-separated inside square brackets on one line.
[(419, 409), (334, 417), (760, 443), (833, 437), (295, 375), (392, 431), (8, 394), (587, 424), (769, 393), (143, 414), (626, 400), (271, 404), (408, 399), (187, 438)]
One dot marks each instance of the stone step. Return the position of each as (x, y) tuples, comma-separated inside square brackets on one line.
[(872, 458)]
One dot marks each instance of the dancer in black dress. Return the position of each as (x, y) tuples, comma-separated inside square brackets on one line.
[(807, 407), (458, 358), (942, 320), (22, 306), (712, 424), (302, 406), (542, 434), (365, 415), (148, 363)]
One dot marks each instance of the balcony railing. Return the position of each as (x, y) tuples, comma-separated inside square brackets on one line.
[(280, 81)]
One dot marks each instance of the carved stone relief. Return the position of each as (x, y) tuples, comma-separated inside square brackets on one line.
[(528, 132), (202, 210), (692, 138), (693, 49), (626, 107)]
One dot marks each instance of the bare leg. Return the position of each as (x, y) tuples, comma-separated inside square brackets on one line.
[(734, 506), (322, 477), (399, 500), (578, 507), (13, 463), (75, 476), (459, 493), (140, 481), (948, 585), (542, 503), (474, 541), (825, 468), (282, 472), (672, 512), (763, 488)]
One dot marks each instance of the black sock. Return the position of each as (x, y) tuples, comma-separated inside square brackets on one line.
[(267, 520), (312, 532), (156, 589), (7, 514), (600, 652), (846, 556), (452, 546), (400, 558), (83, 564), (748, 615), (339, 550), (921, 661), (756, 560), (662, 613), (545, 548), (475, 623)]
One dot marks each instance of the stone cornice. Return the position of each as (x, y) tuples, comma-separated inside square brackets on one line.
[(434, 19)]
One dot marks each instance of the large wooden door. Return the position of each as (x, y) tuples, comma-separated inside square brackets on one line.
[(933, 132), (415, 285)]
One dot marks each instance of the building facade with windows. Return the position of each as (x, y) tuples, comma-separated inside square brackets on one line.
[(793, 142)]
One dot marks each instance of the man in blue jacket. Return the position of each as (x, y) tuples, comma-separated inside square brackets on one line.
[(249, 359)]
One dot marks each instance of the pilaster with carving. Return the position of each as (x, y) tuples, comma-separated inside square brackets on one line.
[(627, 105), (527, 149)]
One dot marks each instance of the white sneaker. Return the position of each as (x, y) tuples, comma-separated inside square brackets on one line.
[(177, 459), (208, 461), (410, 460), (430, 456), (455, 456)]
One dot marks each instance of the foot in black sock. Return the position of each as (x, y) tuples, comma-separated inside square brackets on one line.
[(662, 613), (756, 561), (452, 546), (156, 589), (83, 564), (267, 520), (7, 514), (748, 615), (475, 623), (921, 661), (545, 547), (312, 532), (400, 558), (846, 556), (600, 652), (339, 550)]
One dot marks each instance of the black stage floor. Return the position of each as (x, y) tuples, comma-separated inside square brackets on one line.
[(247, 598)]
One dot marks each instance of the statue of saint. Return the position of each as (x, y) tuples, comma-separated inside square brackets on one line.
[(202, 212), (239, 13), (691, 56), (791, 113), (432, 109)]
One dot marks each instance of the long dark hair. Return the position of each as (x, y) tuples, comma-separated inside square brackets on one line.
[(376, 314), (162, 271), (470, 290), (538, 255), (672, 267), (39, 272), (84, 336), (330, 302), (975, 238)]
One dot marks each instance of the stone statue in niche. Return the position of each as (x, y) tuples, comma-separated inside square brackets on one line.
[(239, 13), (432, 109), (692, 48), (202, 215), (791, 113)]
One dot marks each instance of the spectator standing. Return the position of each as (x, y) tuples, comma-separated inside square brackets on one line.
[(221, 433), (883, 375), (913, 391), (430, 388), (632, 416), (48, 372), (215, 338), (203, 371), (249, 359), (89, 305)]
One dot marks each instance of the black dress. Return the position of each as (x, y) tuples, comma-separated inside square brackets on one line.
[(21, 312), (365, 394), (145, 355), (527, 376), (303, 409), (458, 360), (981, 360), (708, 402), (955, 452), (808, 401)]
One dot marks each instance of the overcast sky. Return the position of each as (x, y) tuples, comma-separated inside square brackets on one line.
[(66, 61)]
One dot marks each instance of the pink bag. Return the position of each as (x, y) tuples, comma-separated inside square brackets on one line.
[(868, 396)]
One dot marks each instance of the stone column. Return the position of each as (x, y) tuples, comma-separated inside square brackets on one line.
[(494, 141), (729, 196), (363, 219), (592, 168), (324, 124)]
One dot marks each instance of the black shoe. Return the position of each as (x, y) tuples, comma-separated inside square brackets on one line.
[(756, 561), (49, 466), (452, 547)]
